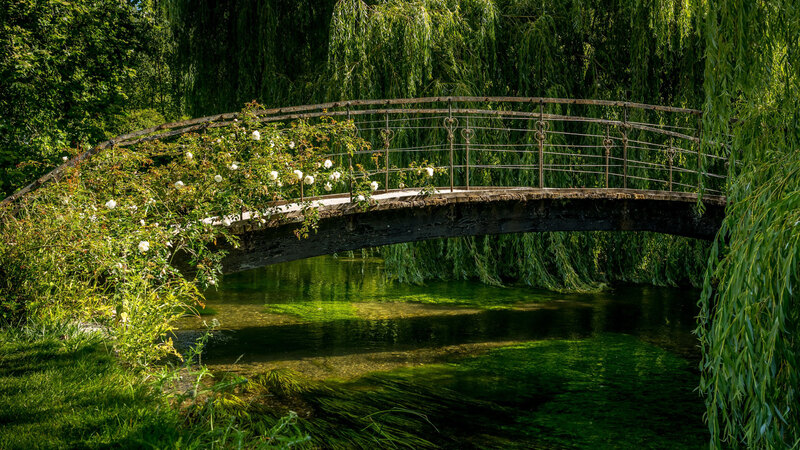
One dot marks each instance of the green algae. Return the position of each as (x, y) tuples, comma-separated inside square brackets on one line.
[(608, 391), (315, 311)]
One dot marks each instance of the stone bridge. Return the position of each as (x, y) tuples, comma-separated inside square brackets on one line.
[(405, 216)]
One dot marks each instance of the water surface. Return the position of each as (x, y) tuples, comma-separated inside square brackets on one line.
[(460, 364)]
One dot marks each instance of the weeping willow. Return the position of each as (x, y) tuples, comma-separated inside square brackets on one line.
[(287, 52), (580, 49), (230, 53), (750, 307)]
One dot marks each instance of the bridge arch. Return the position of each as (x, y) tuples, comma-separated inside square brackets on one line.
[(405, 216)]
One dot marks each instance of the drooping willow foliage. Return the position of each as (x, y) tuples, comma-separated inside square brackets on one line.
[(750, 307), (580, 49), (230, 53), (289, 52)]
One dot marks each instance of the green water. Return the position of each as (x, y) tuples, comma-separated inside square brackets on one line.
[(367, 362)]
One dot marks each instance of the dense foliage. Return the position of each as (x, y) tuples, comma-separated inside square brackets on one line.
[(97, 247), (750, 318), (70, 78)]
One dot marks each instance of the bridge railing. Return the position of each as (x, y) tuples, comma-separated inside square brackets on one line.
[(501, 141), (530, 142)]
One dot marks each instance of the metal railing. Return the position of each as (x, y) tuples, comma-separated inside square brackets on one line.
[(549, 143), (502, 141)]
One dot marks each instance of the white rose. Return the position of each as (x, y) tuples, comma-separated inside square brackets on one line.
[(429, 170), (280, 183), (328, 187), (65, 158), (401, 185), (273, 175), (309, 179), (189, 156), (328, 164), (179, 184), (111, 204), (144, 246), (218, 178), (256, 136), (234, 166), (291, 144), (298, 174), (374, 185), (360, 198), (335, 176), (141, 222)]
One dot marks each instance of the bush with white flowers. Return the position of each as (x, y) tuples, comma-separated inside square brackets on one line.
[(163, 222)]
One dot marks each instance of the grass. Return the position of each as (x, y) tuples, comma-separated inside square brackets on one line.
[(65, 390), (70, 393)]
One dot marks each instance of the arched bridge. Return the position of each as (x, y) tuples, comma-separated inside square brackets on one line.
[(462, 166), (405, 216)]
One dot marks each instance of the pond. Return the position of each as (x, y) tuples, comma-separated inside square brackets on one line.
[(366, 361)]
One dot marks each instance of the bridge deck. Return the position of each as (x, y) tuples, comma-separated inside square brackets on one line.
[(340, 204), (405, 216)]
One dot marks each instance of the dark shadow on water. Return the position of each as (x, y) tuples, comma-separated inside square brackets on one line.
[(664, 322)]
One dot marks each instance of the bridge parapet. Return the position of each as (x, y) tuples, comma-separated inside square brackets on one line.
[(469, 142)]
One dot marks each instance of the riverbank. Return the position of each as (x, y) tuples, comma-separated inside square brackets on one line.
[(62, 388)]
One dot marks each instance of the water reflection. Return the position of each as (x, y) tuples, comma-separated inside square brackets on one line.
[(391, 317)]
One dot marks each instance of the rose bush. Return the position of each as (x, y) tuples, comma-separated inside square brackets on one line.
[(97, 246)]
